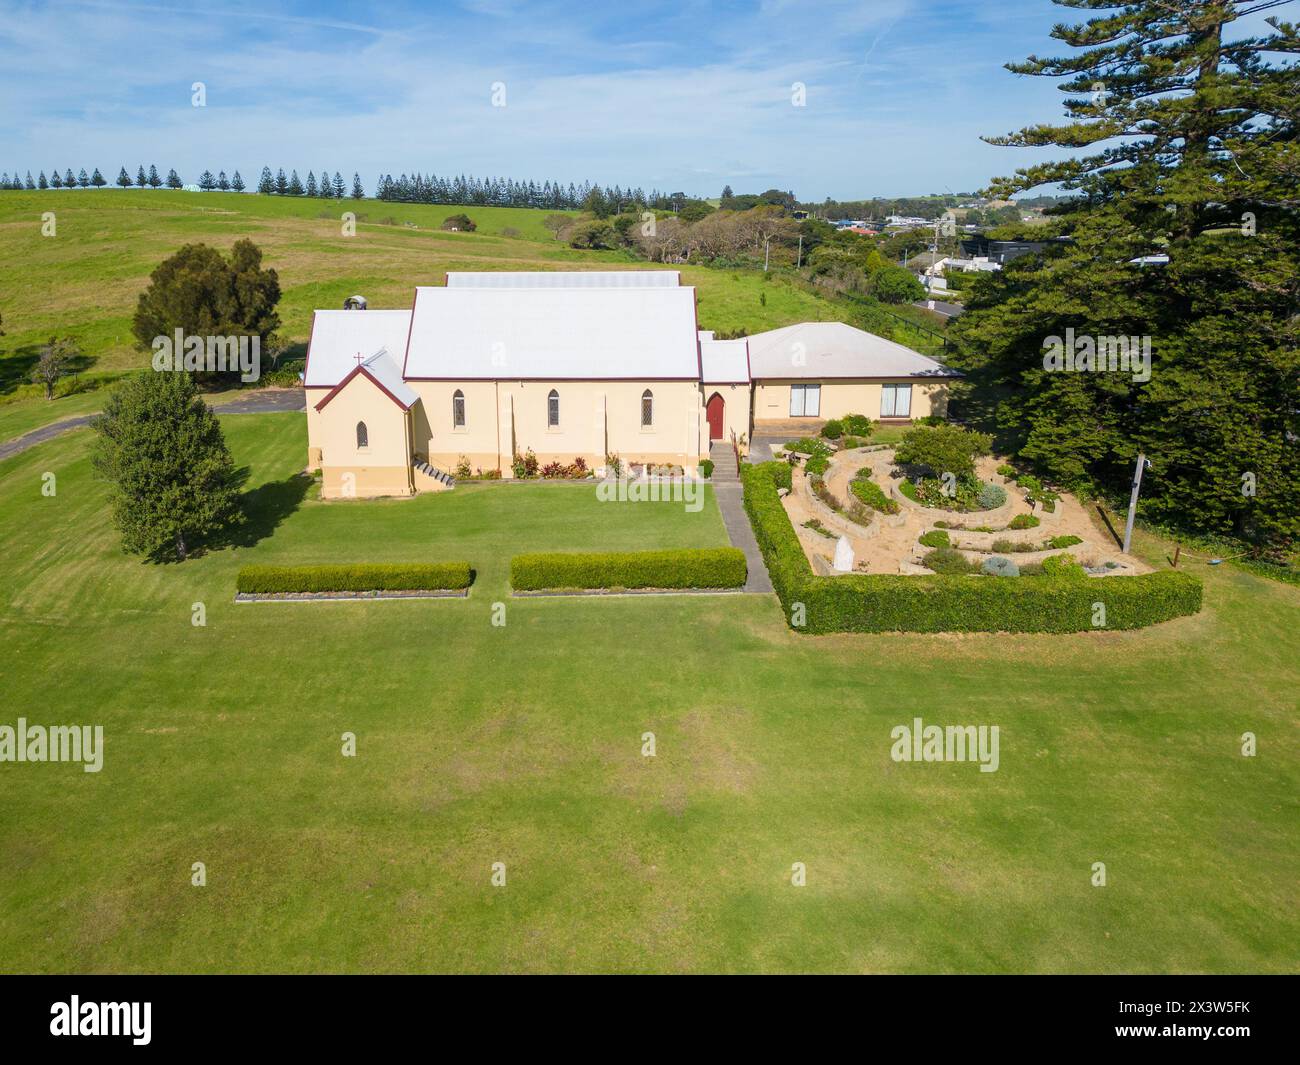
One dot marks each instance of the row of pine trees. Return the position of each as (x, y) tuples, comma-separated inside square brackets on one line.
[(67, 180), (507, 192), (419, 188)]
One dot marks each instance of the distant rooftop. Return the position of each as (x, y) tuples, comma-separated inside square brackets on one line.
[(564, 279)]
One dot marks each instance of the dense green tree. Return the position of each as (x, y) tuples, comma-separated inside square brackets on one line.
[(97, 179), (893, 284), (1183, 142), (154, 180), (294, 188), (223, 182), (43, 182), (358, 193), (266, 184), (171, 479), (311, 189), (207, 181), (942, 449), (123, 178), (55, 180), (281, 183), (237, 182), (204, 294), (140, 180), (173, 180)]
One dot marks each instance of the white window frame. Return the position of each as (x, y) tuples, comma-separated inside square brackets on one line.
[(890, 396), (808, 403)]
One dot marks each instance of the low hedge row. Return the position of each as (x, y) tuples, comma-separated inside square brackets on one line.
[(362, 577), (715, 567), (896, 603)]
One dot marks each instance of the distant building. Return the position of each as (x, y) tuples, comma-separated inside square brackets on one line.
[(1005, 251)]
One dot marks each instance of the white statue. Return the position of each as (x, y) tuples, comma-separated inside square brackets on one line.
[(843, 556)]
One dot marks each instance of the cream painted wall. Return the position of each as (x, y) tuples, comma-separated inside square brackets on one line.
[(596, 417), (838, 398), (735, 411), (380, 468)]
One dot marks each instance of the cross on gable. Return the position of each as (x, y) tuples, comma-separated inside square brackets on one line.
[(357, 356)]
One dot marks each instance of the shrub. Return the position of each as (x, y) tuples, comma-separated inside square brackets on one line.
[(782, 475), (857, 424), (459, 223), (361, 577), (1004, 546), (1007, 471), (908, 489), (894, 284), (833, 429), (807, 445), (1063, 541), (873, 495), (991, 496), (895, 603), (935, 538), (1024, 521), (1065, 566), (949, 561), (463, 469), (716, 567), (1000, 567), (706, 468), (942, 449), (816, 526), (817, 465)]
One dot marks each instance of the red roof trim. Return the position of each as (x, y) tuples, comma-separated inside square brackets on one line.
[(370, 377), (503, 378)]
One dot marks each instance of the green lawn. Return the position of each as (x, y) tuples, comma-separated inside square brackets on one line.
[(84, 281), (522, 744)]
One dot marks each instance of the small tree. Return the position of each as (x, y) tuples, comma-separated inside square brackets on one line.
[(173, 179), (556, 223), (123, 178), (943, 449), (237, 183), (154, 180), (140, 180), (358, 193), (53, 363), (83, 179), (893, 284), (223, 182), (206, 181), (97, 179), (43, 182), (266, 184), (172, 481)]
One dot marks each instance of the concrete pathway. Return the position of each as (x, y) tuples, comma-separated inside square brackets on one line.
[(260, 402), (728, 495)]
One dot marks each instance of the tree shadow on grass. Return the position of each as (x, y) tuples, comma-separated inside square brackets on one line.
[(264, 507), (16, 367)]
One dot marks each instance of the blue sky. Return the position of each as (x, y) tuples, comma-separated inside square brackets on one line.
[(679, 96)]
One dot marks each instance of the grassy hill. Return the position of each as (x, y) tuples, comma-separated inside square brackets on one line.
[(84, 281)]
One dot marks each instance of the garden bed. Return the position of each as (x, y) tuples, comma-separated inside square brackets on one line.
[(897, 603)]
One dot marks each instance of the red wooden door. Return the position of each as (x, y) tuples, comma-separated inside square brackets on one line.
[(714, 411)]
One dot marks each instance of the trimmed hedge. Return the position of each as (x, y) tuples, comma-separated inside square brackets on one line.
[(714, 567), (362, 577), (896, 603)]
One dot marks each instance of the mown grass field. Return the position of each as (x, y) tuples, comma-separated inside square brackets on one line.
[(522, 744), (84, 282)]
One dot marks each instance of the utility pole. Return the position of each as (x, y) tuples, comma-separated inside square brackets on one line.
[(1142, 464), (766, 252), (798, 264)]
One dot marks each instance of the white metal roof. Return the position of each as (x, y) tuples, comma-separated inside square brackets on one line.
[(559, 333), (564, 279), (725, 362), (338, 337), (833, 349), (387, 371)]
